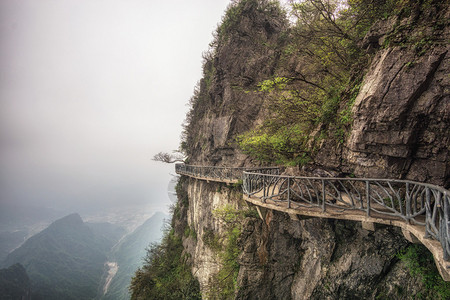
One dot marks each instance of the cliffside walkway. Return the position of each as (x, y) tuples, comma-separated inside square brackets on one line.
[(421, 210)]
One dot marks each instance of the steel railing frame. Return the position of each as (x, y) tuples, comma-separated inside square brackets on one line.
[(414, 202)]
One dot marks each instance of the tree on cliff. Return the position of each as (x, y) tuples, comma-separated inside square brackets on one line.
[(310, 95), (169, 158)]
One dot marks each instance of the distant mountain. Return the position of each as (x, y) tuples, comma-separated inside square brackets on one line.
[(11, 240), (20, 221), (107, 231), (66, 260), (15, 283), (129, 253)]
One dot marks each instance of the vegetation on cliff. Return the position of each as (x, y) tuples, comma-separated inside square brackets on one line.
[(223, 284), (166, 273), (15, 283), (315, 53), (420, 263), (314, 100)]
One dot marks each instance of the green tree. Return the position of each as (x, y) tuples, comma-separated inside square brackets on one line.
[(318, 78)]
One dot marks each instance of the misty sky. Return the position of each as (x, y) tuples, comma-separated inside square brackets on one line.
[(90, 90)]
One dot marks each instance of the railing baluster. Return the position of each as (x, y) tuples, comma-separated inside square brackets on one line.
[(324, 196), (408, 203), (264, 190), (368, 197), (289, 192)]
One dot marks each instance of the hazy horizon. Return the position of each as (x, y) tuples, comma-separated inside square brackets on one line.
[(90, 91)]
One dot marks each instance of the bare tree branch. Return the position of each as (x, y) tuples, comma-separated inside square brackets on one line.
[(168, 158)]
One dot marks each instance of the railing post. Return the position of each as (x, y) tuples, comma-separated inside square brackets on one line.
[(445, 231), (428, 213), (289, 192), (249, 183), (323, 195), (368, 197), (264, 189), (408, 203)]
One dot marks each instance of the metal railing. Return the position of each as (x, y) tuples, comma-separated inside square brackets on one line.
[(221, 173), (413, 202), (416, 203)]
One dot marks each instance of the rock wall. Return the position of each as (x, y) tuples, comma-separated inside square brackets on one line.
[(204, 198), (322, 259), (402, 112), (225, 107)]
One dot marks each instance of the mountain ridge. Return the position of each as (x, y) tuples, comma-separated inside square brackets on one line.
[(65, 260)]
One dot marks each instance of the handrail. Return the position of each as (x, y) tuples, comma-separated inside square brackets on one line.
[(221, 173), (416, 203)]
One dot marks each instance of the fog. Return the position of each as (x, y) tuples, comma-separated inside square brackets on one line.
[(90, 90)]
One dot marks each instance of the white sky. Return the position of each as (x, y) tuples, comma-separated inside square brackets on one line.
[(90, 90)]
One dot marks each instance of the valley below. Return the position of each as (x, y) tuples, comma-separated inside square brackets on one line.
[(81, 258)]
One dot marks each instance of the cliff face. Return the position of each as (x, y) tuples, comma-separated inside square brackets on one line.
[(237, 63), (284, 258), (399, 130), (204, 200), (402, 112)]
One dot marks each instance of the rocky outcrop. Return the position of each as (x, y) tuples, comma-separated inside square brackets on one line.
[(401, 115), (246, 53), (402, 112), (203, 199), (321, 259)]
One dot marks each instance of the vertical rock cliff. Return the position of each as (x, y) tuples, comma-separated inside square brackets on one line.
[(399, 129)]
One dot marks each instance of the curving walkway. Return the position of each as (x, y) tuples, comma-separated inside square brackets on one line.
[(421, 210)]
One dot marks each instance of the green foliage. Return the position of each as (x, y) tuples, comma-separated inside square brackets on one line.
[(238, 185), (285, 145), (338, 114), (211, 240), (229, 215), (422, 39), (421, 264), (182, 193), (278, 83), (231, 18), (190, 232), (183, 199), (235, 11), (319, 94), (165, 274)]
